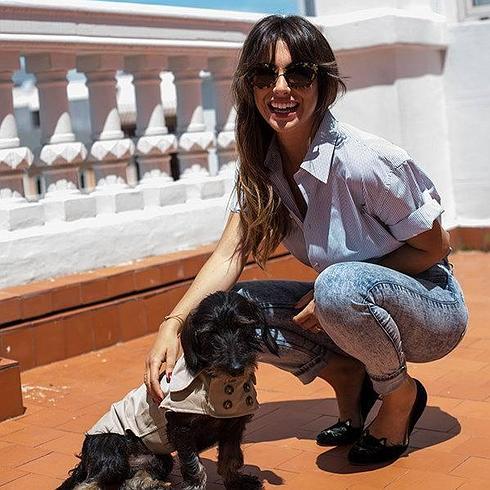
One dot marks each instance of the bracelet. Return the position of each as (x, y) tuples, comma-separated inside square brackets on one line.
[(177, 317)]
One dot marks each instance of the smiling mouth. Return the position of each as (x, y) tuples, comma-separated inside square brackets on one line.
[(282, 108)]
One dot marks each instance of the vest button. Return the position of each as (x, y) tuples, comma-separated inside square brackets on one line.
[(250, 401), (229, 389), (246, 387), (227, 404)]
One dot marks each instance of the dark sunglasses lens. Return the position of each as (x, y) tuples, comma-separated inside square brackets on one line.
[(262, 77), (300, 76)]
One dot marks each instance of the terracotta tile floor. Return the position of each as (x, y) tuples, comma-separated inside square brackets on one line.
[(450, 447)]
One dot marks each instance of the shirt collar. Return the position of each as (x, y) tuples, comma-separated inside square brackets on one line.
[(182, 378), (319, 155)]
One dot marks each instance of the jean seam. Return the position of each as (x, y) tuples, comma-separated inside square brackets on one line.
[(390, 338), (389, 377), (394, 285)]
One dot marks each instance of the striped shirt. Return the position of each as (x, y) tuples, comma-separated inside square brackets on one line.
[(364, 197)]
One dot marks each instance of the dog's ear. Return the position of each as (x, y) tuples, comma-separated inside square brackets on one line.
[(190, 345)]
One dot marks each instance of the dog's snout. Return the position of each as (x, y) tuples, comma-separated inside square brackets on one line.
[(236, 369)]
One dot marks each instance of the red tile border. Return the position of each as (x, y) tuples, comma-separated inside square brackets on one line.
[(463, 238), (78, 333), (114, 304), (49, 344), (132, 319), (18, 343), (129, 315), (11, 405), (106, 326), (9, 307)]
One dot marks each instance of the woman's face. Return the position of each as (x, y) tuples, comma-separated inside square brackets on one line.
[(298, 120)]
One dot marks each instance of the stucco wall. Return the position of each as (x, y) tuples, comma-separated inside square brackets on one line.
[(467, 88)]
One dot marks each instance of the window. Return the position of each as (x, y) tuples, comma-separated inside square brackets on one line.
[(475, 9)]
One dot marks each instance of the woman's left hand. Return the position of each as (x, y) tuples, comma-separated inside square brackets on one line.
[(306, 318)]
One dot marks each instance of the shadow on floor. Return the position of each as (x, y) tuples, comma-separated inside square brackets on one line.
[(329, 460)]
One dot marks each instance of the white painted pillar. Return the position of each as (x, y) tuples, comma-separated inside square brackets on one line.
[(193, 138), (110, 152), (15, 211), (14, 160), (154, 144), (222, 69), (60, 155)]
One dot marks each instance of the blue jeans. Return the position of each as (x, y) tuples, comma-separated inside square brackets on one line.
[(377, 315)]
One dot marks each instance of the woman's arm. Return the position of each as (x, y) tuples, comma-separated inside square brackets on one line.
[(420, 252), (219, 273)]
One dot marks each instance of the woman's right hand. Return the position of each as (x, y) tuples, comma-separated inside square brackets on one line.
[(165, 349)]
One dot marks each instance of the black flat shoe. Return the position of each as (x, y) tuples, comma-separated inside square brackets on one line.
[(371, 450), (342, 432)]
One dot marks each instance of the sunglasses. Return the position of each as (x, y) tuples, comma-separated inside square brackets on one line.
[(297, 75)]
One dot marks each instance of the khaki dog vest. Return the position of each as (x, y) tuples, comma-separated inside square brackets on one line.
[(220, 397)]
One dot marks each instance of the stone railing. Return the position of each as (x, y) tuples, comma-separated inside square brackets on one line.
[(66, 185), (74, 204), (99, 39)]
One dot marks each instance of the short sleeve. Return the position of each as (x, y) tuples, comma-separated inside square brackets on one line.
[(410, 203), (233, 204)]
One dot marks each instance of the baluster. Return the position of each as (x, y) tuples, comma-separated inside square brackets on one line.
[(194, 139), (153, 145), (15, 211), (110, 152), (222, 69), (60, 156)]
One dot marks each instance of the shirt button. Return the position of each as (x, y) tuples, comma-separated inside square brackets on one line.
[(227, 404)]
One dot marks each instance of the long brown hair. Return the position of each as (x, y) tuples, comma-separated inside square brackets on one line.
[(265, 220)]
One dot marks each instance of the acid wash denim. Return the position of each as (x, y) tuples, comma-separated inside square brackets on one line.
[(377, 315)]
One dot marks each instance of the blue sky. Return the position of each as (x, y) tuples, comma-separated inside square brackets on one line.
[(268, 6)]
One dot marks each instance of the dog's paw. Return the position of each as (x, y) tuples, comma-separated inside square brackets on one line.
[(244, 482)]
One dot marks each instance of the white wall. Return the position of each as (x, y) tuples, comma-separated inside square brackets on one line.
[(398, 93), (431, 98), (467, 87)]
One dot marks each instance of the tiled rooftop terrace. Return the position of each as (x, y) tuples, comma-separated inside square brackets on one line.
[(450, 447)]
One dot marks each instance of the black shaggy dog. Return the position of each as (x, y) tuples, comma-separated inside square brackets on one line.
[(221, 337)]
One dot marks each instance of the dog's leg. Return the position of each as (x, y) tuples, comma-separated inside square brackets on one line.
[(230, 459), (181, 436)]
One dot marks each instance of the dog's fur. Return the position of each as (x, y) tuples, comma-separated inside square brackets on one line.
[(219, 337)]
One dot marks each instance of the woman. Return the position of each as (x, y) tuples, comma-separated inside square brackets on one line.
[(361, 213)]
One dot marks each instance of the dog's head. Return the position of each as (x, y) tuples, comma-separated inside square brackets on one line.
[(224, 335)]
